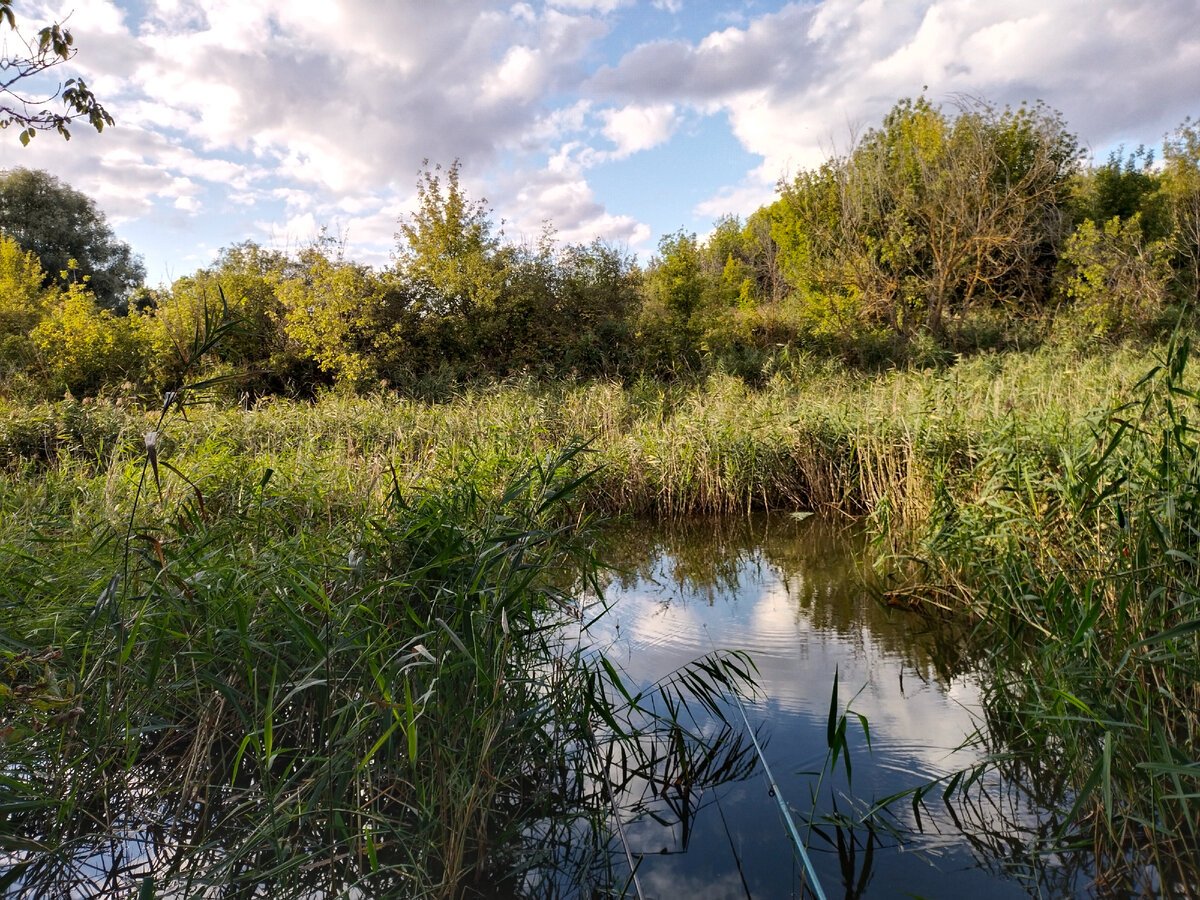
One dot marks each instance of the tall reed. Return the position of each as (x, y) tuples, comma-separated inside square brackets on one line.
[(1079, 556)]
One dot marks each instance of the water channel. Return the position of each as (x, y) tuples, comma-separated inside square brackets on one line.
[(786, 590)]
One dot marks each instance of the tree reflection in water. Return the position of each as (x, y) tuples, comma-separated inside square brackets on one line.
[(941, 802)]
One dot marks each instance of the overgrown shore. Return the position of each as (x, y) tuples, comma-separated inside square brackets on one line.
[(820, 437), (315, 592)]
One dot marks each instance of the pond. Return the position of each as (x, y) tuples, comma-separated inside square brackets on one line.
[(787, 591), (905, 809)]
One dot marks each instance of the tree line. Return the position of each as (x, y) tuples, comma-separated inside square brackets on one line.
[(941, 231)]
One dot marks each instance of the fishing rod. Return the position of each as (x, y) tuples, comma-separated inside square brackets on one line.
[(775, 792)]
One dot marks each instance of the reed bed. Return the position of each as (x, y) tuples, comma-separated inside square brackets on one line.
[(322, 623), (822, 437), (242, 654), (1076, 547)]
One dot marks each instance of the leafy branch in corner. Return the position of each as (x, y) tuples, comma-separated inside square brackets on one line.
[(25, 96)]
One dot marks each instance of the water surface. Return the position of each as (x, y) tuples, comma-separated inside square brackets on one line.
[(787, 591)]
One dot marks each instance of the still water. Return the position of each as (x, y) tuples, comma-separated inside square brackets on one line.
[(787, 592)]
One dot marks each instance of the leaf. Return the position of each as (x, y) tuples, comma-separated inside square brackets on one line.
[(831, 727)]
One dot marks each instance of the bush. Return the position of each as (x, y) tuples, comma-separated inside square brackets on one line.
[(84, 349), (1117, 281)]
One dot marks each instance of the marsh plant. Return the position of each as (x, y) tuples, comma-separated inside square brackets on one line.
[(244, 688), (1081, 562)]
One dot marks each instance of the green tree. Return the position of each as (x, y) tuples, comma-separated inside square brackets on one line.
[(673, 290), (59, 224), (244, 277), (336, 312), (675, 277), (1126, 185), (932, 215), (594, 296), (451, 263), (1116, 279), (726, 262), (1181, 186), (24, 99)]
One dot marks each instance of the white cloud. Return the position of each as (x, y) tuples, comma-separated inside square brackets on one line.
[(563, 197), (738, 200), (601, 6), (635, 128), (800, 82)]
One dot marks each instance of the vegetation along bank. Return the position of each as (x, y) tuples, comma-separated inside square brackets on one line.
[(282, 542)]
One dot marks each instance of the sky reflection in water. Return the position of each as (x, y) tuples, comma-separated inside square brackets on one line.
[(786, 591)]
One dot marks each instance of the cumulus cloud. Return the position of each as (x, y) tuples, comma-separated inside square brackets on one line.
[(797, 84), (222, 103), (561, 196), (635, 128)]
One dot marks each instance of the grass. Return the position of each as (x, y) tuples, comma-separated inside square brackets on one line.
[(818, 437), (251, 668), (337, 631), (1079, 558)]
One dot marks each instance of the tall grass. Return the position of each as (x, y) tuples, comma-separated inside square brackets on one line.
[(338, 634), (235, 661), (1079, 555), (266, 698), (818, 437)]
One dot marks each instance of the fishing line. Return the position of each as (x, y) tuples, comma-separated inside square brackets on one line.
[(732, 848), (601, 763), (775, 792), (724, 823)]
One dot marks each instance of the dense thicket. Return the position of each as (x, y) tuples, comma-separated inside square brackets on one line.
[(941, 231)]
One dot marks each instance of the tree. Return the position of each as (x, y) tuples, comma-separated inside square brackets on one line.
[(673, 290), (564, 309), (25, 94), (83, 348), (449, 260), (59, 224), (1125, 186), (675, 277), (245, 276), (335, 312), (1181, 183), (1115, 277), (932, 215)]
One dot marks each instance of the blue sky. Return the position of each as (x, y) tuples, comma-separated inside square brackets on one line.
[(264, 120)]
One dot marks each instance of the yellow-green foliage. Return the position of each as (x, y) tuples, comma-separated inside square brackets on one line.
[(1117, 280), (333, 314), (82, 347), (23, 303), (242, 284)]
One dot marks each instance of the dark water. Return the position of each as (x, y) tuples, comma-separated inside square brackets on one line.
[(787, 592)]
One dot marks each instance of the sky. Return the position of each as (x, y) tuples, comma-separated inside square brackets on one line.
[(625, 120)]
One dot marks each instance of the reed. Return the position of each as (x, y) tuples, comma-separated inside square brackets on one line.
[(242, 653), (1076, 548), (821, 437), (337, 634)]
